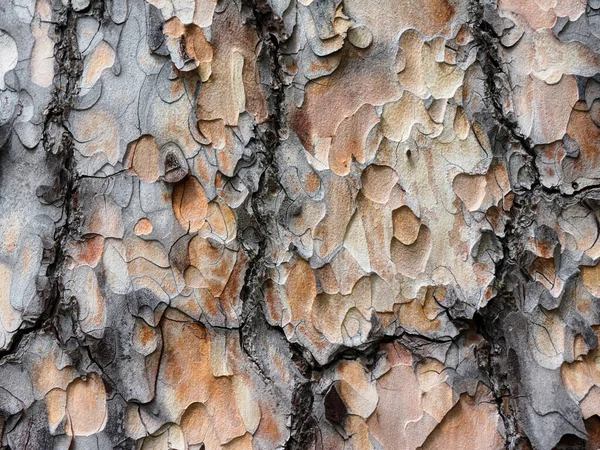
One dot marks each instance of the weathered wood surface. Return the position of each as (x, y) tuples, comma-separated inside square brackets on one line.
[(299, 224)]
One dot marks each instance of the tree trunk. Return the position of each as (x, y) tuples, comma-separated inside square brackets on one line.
[(299, 224)]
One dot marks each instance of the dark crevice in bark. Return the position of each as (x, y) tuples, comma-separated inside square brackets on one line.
[(499, 90), (369, 351), (258, 234), (497, 361), (255, 235), (68, 70), (492, 358), (488, 43), (493, 355), (303, 424), (58, 142)]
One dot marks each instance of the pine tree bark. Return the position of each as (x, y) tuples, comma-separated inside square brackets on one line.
[(299, 224)]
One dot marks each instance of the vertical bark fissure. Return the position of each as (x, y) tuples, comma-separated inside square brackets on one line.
[(497, 360), (255, 237), (58, 142), (68, 70), (493, 354), (269, 28)]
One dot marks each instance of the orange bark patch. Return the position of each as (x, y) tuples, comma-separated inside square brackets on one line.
[(190, 204)]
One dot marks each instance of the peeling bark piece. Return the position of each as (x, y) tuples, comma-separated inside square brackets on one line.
[(144, 159), (234, 72), (555, 100), (92, 309), (330, 231), (143, 227), (540, 15), (410, 260), (190, 204), (470, 423), (360, 37), (350, 139), (471, 189), (9, 56), (399, 118), (355, 390), (86, 406), (406, 225), (188, 46), (378, 182), (101, 58)]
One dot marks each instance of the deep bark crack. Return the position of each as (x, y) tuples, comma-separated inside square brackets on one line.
[(258, 235), (493, 355), (58, 142)]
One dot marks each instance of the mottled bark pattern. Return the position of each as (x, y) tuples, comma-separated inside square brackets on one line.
[(299, 224)]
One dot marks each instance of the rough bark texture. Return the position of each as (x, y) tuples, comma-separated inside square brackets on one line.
[(299, 224)]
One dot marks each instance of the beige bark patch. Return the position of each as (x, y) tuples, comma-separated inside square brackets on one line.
[(144, 158), (87, 412)]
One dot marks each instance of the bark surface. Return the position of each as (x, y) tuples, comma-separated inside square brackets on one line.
[(299, 224)]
